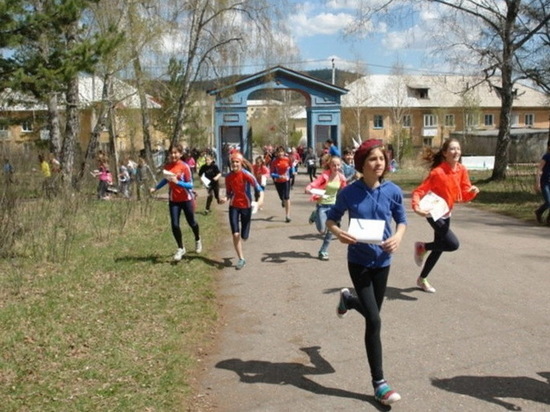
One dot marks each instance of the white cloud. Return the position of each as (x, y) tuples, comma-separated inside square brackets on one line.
[(343, 4), (413, 38), (407, 35), (323, 23), (419, 35), (307, 21), (353, 4)]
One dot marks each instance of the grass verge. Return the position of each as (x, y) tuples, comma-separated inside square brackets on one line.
[(93, 314)]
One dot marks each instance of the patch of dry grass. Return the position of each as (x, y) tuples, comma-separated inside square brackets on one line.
[(93, 314)]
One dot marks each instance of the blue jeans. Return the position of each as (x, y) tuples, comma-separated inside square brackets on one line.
[(321, 225), (545, 190)]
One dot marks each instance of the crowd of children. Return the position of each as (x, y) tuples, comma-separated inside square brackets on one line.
[(351, 183)]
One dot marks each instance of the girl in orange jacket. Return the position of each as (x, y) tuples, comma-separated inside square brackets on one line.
[(449, 180)]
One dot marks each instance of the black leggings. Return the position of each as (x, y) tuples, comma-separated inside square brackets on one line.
[(444, 241), (188, 208), (312, 173), (213, 192), (283, 189), (370, 287)]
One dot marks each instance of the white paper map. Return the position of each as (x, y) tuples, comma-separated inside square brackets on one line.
[(318, 192), (434, 204), (367, 230), (254, 207), (205, 181)]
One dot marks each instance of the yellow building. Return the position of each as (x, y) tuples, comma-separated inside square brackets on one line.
[(24, 123), (427, 109)]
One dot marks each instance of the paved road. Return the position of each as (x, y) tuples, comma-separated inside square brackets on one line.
[(481, 343)]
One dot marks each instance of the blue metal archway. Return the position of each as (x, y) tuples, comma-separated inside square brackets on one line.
[(323, 104)]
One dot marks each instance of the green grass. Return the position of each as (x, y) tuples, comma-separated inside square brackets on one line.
[(93, 314)]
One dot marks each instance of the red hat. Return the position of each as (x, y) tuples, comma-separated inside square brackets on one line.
[(363, 150)]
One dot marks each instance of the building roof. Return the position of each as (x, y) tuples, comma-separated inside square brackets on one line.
[(418, 91), (278, 75), (90, 90)]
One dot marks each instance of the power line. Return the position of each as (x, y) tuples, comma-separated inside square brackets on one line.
[(241, 68)]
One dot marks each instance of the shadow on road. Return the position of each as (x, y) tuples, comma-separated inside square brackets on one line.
[(307, 236), (282, 257), (293, 373), (400, 294), (494, 388)]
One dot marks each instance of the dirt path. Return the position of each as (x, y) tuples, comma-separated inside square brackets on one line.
[(481, 343)]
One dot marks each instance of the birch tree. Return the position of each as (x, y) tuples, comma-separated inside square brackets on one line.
[(144, 29), (215, 38), (357, 99), (499, 34), (538, 66), (397, 101), (107, 19)]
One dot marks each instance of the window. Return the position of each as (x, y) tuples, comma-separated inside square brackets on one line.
[(26, 126), (488, 120), (407, 120), (427, 141), (529, 119), (430, 120), (418, 92), (450, 120), (378, 121)]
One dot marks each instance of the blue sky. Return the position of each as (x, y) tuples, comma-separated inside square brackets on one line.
[(318, 27)]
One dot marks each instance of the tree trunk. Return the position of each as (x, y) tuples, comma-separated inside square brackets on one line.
[(503, 142), (138, 73), (72, 131), (507, 101), (180, 116), (53, 123), (112, 141), (145, 119), (101, 124)]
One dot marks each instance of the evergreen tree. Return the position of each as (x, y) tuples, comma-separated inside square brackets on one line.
[(46, 44)]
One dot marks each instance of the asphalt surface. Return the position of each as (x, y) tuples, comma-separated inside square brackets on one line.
[(481, 343)]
